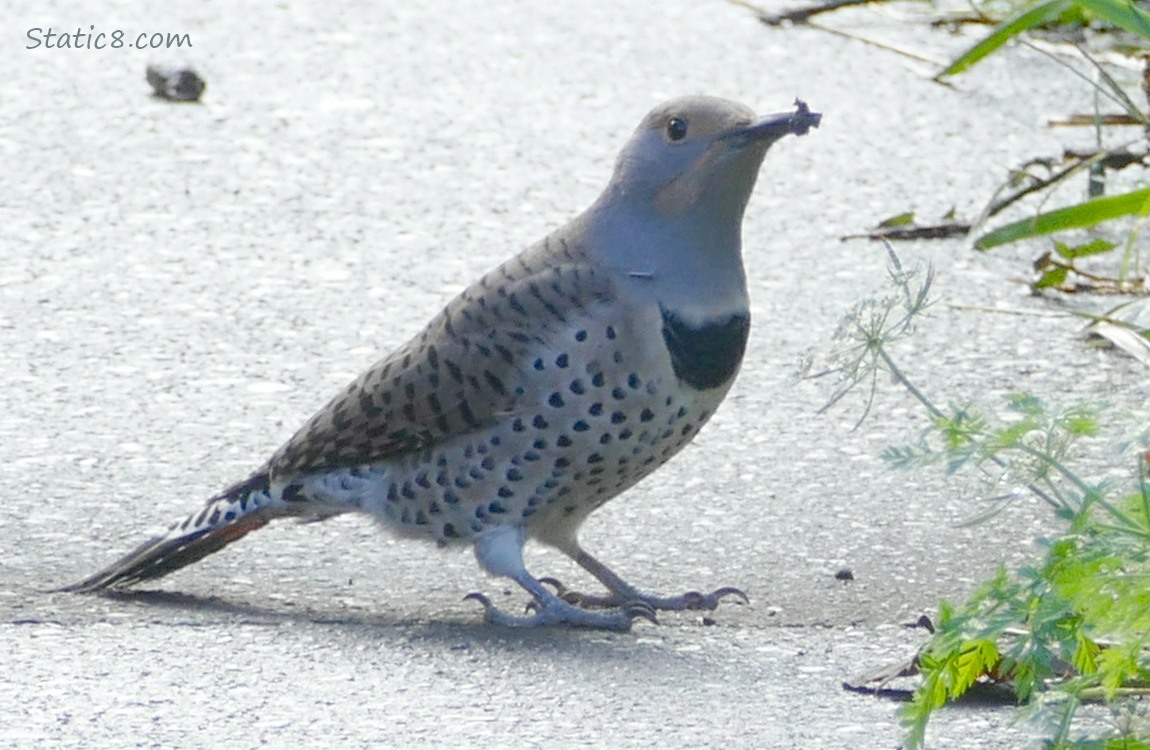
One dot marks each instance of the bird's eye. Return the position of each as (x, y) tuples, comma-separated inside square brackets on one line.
[(676, 129)]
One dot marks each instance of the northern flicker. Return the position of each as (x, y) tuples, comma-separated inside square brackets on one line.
[(546, 388)]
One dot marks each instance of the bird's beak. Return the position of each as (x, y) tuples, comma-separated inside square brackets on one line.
[(773, 127)]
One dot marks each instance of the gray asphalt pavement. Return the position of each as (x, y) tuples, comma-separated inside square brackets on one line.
[(182, 285)]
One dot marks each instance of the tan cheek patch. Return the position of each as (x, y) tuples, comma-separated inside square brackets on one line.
[(679, 194)]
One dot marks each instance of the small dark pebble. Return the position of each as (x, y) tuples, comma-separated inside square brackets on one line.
[(174, 83), (922, 622), (844, 574), (708, 620)]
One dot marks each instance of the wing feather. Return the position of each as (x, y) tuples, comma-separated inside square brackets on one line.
[(471, 366)]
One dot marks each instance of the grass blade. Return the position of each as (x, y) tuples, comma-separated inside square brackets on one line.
[(1039, 14), (1072, 217), (1122, 13)]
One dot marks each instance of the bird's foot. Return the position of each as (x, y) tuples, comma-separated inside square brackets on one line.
[(692, 600), (555, 611)]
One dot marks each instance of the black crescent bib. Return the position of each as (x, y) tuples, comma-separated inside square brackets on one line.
[(706, 356)]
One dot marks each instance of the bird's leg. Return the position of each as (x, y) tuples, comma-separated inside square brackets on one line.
[(623, 592), (501, 552)]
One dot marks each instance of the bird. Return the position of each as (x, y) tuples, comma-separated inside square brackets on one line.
[(555, 382)]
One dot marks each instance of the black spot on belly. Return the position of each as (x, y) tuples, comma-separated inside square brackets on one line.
[(706, 356)]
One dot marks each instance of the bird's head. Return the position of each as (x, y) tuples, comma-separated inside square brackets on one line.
[(670, 221), (700, 155)]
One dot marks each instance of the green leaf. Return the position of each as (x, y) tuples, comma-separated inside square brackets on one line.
[(1117, 665), (900, 220), (1036, 16), (1025, 403), (1081, 424), (1054, 277), (1126, 743), (1085, 653), (1122, 13), (1072, 217), (1025, 678), (1081, 251), (976, 659), (945, 614)]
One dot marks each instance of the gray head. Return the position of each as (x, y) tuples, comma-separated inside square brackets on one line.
[(695, 153), (681, 184)]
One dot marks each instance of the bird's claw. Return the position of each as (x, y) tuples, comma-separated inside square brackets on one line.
[(482, 599), (698, 600), (692, 600), (641, 609), (559, 612), (561, 591)]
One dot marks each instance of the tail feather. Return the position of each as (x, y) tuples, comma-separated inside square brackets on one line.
[(232, 514)]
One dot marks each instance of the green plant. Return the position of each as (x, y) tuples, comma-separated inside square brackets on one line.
[(1041, 175), (1074, 625), (1125, 15)]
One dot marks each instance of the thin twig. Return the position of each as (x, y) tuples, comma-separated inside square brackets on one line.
[(803, 15), (900, 234), (1039, 184)]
